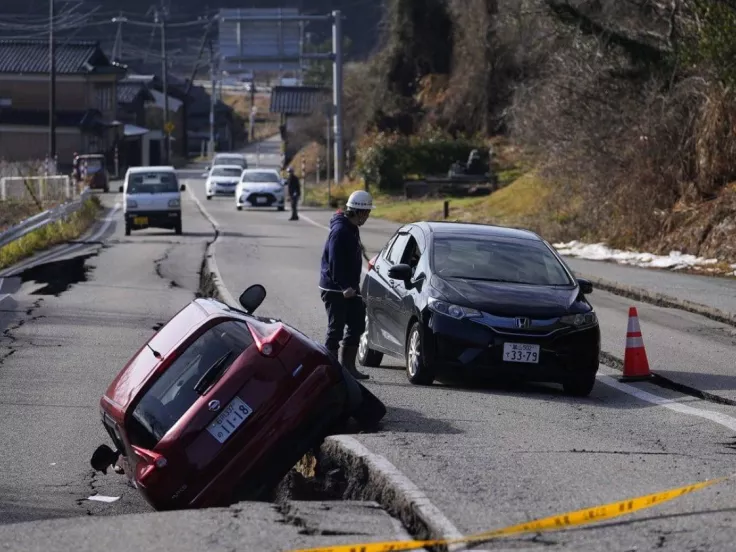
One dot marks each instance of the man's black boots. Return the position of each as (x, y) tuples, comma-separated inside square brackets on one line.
[(349, 354)]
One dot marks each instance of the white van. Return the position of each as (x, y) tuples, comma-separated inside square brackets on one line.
[(152, 198)]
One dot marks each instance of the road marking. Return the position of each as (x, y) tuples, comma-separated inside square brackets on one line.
[(219, 282), (721, 419), (310, 221)]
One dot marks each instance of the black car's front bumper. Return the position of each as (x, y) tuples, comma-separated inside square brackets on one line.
[(469, 348), (153, 219)]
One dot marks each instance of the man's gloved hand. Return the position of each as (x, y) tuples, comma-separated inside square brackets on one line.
[(349, 293)]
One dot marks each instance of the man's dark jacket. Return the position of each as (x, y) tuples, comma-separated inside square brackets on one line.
[(342, 259), (293, 184)]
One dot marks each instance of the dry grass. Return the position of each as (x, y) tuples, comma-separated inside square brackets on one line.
[(51, 234)]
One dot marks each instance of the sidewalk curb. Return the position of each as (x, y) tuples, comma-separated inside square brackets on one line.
[(661, 300)]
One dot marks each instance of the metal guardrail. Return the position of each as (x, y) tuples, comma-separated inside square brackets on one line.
[(40, 220)]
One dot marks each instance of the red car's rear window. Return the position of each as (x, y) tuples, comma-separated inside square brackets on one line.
[(173, 393)]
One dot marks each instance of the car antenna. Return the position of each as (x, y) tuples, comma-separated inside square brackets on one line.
[(154, 351)]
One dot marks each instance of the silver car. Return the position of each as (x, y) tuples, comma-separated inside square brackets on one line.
[(260, 188), (222, 180)]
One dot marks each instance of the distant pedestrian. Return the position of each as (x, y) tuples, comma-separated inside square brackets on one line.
[(342, 262), (295, 192)]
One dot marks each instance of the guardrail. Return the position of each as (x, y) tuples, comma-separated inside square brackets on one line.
[(40, 220)]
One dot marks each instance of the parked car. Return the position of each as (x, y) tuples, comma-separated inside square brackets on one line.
[(222, 180), (219, 405), (94, 169), (260, 188), (152, 199), (473, 299)]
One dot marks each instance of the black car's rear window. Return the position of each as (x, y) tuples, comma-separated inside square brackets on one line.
[(498, 259), (173, 393)]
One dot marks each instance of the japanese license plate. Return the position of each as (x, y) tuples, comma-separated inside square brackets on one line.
[(261, 200), (232, 417), (140, 221), (521, 352)]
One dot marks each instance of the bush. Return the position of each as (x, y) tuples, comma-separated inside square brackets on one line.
[(384, 160)]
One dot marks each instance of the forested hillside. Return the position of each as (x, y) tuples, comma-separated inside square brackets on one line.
[(627, 106)]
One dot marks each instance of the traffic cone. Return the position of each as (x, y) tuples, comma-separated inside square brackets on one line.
[(636, 365)]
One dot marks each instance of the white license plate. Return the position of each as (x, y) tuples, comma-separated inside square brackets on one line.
[(260, 200), (521, 352), (233, 415)]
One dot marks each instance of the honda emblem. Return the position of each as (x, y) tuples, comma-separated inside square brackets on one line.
[(214, 406), (523, 323)]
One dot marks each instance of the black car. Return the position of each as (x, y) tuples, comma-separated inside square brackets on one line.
[(479, 300)]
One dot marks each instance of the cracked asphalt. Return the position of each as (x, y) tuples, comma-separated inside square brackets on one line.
[(491, 457)]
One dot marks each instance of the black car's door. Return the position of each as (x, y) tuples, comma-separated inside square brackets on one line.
[(406, 292), (384, 310), (374, 293)]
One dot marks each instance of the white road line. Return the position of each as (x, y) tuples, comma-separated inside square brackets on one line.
[(310, 221), (716, 417), (219, 282)]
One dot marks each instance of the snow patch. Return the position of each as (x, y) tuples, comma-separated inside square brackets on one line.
[(601, 252)]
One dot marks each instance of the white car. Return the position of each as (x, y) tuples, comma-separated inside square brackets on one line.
[(222, 180), (260, 188)]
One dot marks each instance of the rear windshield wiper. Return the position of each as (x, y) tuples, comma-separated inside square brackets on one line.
[(211, 375)]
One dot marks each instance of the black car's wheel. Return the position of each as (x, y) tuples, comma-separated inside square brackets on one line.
[(417, 369), (581, 384), (367, 356)]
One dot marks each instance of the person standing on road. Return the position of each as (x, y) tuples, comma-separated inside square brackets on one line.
[(342, 262), (295, 192)]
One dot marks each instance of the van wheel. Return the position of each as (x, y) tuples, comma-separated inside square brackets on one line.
[(177, 228), (239, 207)]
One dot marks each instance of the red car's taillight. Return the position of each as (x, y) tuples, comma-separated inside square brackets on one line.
[(270, 343), (372, 262), (152, 460)]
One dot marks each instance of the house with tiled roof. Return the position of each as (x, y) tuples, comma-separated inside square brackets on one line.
[(86, 106)]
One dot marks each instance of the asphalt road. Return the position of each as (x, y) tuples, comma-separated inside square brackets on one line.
[(492, 457), (72, 318)]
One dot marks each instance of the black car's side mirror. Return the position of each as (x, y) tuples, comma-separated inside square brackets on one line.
[(586, 286), (182, 188), (120, 189), (252, 298), (400, 272)]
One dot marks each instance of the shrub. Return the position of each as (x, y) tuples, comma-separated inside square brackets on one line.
[(383, 160)]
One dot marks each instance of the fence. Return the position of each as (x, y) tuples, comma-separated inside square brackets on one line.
[(37, 189)]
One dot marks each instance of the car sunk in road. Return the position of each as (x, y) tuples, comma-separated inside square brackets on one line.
[(222, 180), (260, 188), (218, 405), (479, 300)]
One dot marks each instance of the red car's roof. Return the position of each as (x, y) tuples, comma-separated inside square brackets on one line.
[(136, 372)]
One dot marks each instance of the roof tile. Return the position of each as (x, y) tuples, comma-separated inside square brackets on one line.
[(32, 56)]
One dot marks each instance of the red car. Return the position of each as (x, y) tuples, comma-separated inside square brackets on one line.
[(219, 405)]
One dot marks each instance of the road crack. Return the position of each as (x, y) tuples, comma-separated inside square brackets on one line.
[(8, 339), (157, 264)]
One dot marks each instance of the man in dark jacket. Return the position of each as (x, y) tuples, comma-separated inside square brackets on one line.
[(342, 262), (295, 192)]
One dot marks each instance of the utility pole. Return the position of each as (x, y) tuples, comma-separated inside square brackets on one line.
[(165, 70), (117, 49), (337, 85), (52, 84), (211, 151)]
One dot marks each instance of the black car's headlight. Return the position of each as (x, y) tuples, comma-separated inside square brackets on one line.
[(580, 320), (453, 311)]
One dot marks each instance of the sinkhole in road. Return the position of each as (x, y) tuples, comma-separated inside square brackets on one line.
[(58, 276)]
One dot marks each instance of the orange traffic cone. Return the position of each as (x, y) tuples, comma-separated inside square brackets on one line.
[(636, 365)]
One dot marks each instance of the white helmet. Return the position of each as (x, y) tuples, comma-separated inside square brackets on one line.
[(360, 201)]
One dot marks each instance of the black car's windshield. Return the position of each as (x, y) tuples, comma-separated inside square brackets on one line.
[(176, 390), (226, 171), (264, 176), (494, 259), (152, 183)]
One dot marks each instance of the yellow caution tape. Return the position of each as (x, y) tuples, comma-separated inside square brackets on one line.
[(552, 523)]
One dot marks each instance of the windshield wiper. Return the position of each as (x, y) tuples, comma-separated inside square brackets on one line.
[(477, 279), (211, 375)]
